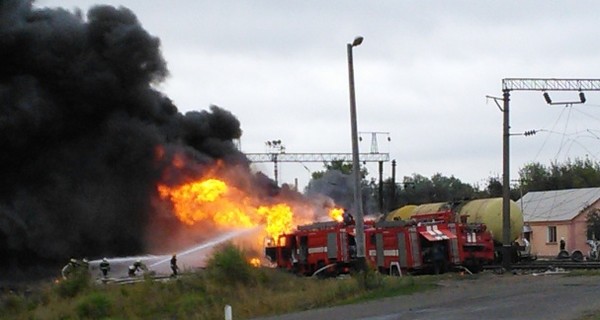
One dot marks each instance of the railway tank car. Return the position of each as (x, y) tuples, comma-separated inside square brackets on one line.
[(486, 211), (480, 211)]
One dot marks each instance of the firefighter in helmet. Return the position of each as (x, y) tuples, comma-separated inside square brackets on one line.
[(348, 218), (85, 263), (137, 266), (174, 267), (69, 268), (104, 267)]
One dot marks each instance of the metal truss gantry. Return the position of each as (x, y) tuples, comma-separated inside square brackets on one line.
[(315, 157), (323, 158), (538, 84)]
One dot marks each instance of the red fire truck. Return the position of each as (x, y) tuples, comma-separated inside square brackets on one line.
[(427, 243), (327, 247)]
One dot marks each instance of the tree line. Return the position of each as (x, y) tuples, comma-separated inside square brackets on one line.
[(418, 189)]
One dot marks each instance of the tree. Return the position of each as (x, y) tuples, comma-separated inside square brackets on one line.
[(418, 189), (593, 224), (580, 173), (342, 166)]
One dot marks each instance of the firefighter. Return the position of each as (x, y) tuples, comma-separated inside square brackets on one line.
[(527, 246), (348, 218), (69, 268), (104, 267), (131, 271), (437, 255), (85, 263), (174, 266), (137, 266)]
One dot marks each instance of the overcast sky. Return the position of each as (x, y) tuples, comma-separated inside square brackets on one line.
[(422, 74)]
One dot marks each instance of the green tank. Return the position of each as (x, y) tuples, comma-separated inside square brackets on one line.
[(402, 213), (487, 211)]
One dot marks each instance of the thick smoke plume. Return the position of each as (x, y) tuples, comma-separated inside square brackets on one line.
[(85, 137)]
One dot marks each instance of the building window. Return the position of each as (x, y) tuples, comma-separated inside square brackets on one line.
[(551, 234)]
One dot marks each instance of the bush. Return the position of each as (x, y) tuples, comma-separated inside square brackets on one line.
[(11, 303), (229, 265), (189, 305), (94, 306), (369, 278), (76, 283)]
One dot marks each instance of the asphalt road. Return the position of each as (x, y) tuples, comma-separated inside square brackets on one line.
[(488, 297)]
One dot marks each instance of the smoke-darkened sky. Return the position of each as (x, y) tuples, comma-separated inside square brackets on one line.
[(86, 137), (422, 74)]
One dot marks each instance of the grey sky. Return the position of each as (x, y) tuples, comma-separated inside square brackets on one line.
[(422, 74)]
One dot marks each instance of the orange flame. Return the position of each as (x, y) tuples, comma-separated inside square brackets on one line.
[(255, 262), (337, 214), (213, 200)]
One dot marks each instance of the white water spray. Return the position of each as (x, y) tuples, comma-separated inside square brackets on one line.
[(212, 243), (119, 265)]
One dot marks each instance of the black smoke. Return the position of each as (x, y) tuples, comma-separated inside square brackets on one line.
[(340, 188), (80, 122)]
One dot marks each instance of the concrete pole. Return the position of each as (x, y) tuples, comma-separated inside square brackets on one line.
[(506, 241), (393, 204), (228, 313), (381, 187), (358, 208)]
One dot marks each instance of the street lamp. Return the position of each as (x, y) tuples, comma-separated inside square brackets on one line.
[(358, 214)]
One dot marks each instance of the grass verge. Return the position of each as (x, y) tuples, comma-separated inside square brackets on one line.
[(227, 280)]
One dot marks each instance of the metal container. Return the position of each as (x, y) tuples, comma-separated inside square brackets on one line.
[(487, 211), (402, 213)]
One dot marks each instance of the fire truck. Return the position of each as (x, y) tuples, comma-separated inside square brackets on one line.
[(430, 243), (317, 248)]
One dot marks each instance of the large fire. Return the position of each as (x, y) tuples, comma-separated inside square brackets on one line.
[(213, 200), (337, 214)]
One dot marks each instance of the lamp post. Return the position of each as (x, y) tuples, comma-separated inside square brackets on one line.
[(360, 232)]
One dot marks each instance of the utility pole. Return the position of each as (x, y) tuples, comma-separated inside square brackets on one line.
[(506, 241), (528, 84), (358, 208)]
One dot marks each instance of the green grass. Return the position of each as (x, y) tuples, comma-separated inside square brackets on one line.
[(582, 272), (227, 280)]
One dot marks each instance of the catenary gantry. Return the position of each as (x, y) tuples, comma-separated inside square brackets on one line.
[(315, 157), (539, 84)]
